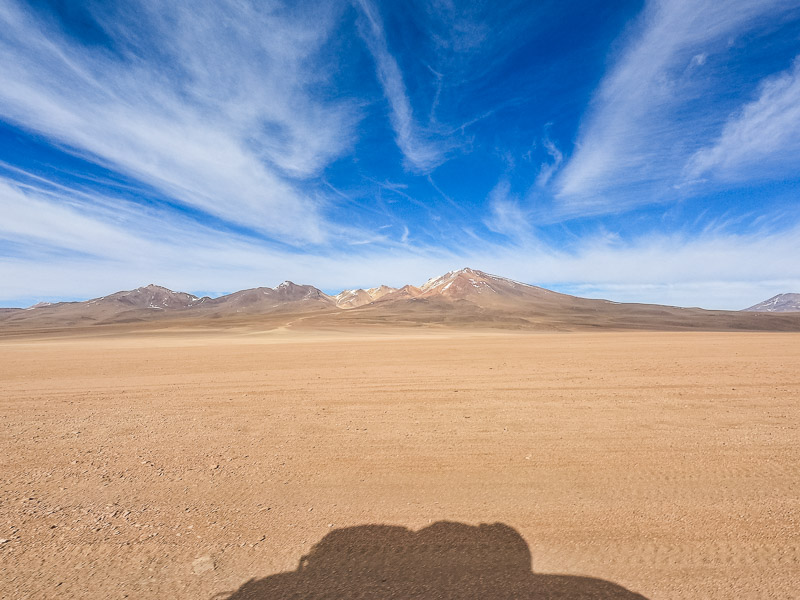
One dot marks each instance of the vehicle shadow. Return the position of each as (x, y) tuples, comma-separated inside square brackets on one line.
[(443, 561)]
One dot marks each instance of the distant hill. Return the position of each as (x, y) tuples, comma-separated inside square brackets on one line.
[(156, 303), (778, 304), (356, 298), (466, 298), (263, 300), (133, 305)]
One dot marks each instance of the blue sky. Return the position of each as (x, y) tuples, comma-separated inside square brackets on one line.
[(636, 151)]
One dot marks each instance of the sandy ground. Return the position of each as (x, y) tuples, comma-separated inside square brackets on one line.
[(183, 465)]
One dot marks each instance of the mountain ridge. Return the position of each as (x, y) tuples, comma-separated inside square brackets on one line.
[(465, 298)]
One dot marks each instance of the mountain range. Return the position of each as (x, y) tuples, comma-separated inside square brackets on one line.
[(462, 298)]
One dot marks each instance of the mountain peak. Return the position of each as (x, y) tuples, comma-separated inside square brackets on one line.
[(41, 304), (780, 303), (154, 287), (467, 276), (360, 296), (151, 296)]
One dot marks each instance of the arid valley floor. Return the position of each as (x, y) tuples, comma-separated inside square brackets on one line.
[(181, 464)]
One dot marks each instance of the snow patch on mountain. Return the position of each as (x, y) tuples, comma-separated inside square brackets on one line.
[(779, 303)]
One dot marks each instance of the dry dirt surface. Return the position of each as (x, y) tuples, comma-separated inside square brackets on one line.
[(341, 465)]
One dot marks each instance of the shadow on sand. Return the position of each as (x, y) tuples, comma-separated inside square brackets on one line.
[(443, 561)]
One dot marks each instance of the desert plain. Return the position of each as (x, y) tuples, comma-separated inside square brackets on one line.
[(185, 463)]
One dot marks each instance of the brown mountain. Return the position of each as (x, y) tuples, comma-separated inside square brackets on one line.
[(406, 292), (778, 304), (287, 296), (141, 304), (472, 298), (360, 297), (156, 303), (468, 285), (487, 290), (463, 298)]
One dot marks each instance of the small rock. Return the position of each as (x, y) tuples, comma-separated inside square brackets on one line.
[(203, 564), (4, 541)]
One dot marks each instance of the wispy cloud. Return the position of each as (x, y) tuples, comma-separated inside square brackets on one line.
[(647, 116), (714, 270), (506, 216), (547, 170), (421, 152), (35, 219), (763, 139), (458, 28), (195, 99)]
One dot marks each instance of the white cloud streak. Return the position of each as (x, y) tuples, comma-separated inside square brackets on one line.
[(635, 133), (461, 28), (212, 103), (506, 216), (764, 137), (421, 154), (548, 169)]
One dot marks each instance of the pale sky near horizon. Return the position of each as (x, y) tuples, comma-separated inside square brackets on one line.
[(635, 151)]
